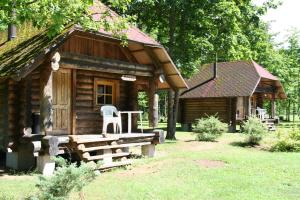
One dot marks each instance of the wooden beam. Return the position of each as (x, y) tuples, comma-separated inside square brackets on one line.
[(265, 89), (127, 53), (273, 106), (73, 102), (75, 61), (153, 103), (157, 64), (28, 106), (46, 95), (137, 50)]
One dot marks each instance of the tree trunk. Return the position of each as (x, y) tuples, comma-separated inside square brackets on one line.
[(171, 108), (170, 132), (288, 111), (293, 112)]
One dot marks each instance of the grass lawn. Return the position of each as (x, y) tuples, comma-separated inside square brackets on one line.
[(182, 170)]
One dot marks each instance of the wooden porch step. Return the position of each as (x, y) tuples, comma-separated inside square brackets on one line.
[(100, 157), (91, 140), (88, 149), (115, 164)]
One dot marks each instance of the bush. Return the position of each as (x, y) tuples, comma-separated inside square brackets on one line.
[(209, 129), (67, 178), (254, 129), (289, 142)]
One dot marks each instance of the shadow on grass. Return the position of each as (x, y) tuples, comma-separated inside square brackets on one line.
[(244, 144), (170, 141)]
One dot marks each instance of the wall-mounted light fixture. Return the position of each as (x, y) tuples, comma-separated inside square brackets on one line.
[(162, 78), (128, 78), (55, 61)]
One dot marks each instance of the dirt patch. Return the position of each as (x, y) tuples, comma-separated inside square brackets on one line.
[(211, 163), (197, 146), (149, 168)]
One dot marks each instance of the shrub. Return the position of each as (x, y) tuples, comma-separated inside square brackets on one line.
[(254, 129), (67, 178), (208, 129), (288, 142)]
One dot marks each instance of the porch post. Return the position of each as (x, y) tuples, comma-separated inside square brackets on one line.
[(46, 97), (249, 106), (273, 107), (153, 104)]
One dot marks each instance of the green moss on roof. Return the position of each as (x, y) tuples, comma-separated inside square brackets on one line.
[(15, 55)]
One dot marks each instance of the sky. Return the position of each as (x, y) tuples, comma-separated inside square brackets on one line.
[(282, 19)]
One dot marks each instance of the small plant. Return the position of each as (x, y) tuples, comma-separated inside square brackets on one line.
[(209, 128), (288, 142), (254, 129), (66, 178)]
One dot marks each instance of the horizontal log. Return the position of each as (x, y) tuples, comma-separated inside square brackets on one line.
[(85, 86), (84, 91), (88, 131), (105, 65), (84, 97), (84, 104)]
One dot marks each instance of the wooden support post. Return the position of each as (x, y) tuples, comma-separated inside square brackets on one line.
[(28, 107), (273, 107), (133, 91), (153, 104), (46, 121), (45, 165), (148, 150), (73, 111), (249, 107), (233, 103), (107, 160)]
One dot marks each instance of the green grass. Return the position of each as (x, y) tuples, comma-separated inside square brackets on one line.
[(175, 173)]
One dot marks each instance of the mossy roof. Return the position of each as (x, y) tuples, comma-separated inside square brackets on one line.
[(17, 54)]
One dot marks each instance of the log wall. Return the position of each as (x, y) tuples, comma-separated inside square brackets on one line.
[(3, 114), (192, 109), (88, 118), (93, 47)]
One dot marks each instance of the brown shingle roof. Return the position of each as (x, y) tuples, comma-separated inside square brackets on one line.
[(238, 78)]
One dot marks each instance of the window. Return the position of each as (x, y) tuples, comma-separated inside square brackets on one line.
[(104, 93)]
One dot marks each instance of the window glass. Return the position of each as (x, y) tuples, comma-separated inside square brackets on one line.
[(104, 93)]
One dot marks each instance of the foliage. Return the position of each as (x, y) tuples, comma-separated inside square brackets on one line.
[(254, 129), (195, 31), (5, 196), (209, 129), (66, 178), (56, 15), (288, 142)]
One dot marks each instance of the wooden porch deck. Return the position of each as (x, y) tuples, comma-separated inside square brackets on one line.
[(112, 150)]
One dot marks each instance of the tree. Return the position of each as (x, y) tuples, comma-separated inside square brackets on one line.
[(194, 31), (55, 15)]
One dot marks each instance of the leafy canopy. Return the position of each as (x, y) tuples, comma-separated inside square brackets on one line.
[(55, 15)]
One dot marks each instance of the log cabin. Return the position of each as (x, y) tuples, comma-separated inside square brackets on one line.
[(232, 91), (52, 90)]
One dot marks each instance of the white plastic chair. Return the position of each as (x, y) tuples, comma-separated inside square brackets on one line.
[(261, 113), (111, 116)]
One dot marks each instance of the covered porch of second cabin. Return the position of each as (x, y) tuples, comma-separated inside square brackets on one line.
[(262, 103)]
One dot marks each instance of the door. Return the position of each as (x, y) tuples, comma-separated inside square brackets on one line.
[(62, 102)]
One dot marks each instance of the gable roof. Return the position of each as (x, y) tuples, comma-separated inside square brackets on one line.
[(26, 54), (238, 78)]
